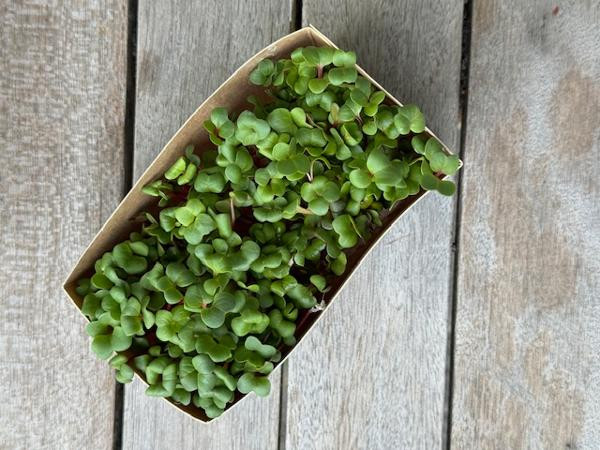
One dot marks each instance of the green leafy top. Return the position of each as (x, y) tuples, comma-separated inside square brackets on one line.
[(252, 232)]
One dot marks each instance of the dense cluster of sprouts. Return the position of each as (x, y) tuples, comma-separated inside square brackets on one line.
[(250, 234)]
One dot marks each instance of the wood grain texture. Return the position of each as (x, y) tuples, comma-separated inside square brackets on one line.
[(185, 50), (371, 374), (527, 341), (62, 107)]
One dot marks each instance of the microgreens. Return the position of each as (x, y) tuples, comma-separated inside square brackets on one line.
[(251, 232)]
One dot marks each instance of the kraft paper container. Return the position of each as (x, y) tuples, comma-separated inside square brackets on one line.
[(231, 95)]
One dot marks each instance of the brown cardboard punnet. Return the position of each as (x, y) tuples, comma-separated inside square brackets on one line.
[(232, 95)]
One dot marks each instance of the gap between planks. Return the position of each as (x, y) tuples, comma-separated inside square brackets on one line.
[(463, 104), (129, 142), (295, 24)]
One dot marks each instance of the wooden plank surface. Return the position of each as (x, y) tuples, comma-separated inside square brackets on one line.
[(527, 340), (371, 374), (185, 50), (62, 108)]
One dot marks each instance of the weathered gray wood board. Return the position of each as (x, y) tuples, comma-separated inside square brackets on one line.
[(62, 108), (371, 373), (184, 51), (527, 341)]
